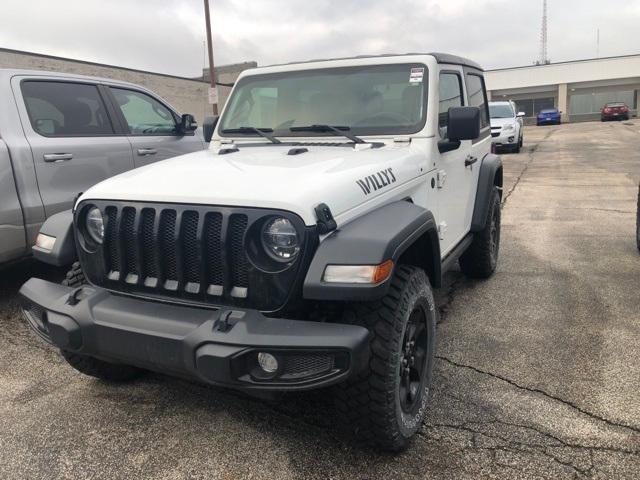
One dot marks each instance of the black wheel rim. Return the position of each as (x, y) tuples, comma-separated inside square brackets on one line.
[(494, 234), (413, 360)]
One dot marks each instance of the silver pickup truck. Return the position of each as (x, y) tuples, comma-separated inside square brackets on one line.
[(62, 133)]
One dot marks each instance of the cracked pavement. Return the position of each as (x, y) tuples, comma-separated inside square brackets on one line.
[(536, 373)]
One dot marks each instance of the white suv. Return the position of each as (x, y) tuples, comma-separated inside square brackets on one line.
[(507, 129), (300, 250)]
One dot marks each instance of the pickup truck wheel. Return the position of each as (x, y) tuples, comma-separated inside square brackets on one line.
[(385, 404), (93, 367), (481, 258)]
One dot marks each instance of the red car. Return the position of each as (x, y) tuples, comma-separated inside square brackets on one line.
[(615, 111)]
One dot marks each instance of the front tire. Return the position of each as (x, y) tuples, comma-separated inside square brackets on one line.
[(111, 372), (481, 258), (385, 404)]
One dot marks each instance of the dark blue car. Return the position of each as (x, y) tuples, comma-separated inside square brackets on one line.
[(549, 116)]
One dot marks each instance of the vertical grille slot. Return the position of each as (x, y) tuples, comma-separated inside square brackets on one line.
[(190, 251), (237, 258), (213, 252), (148, 246), (168, 248), (129, 240), (114, 263)]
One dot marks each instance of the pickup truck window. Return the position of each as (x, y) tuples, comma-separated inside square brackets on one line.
[(143, 114), (450, 96), (477, 97), (65, 109), (369, 99)]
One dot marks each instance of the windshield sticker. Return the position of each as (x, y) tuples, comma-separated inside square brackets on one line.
[(416, 75), (376, 181)]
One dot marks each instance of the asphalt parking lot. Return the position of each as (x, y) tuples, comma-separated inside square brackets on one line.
[(537, 373)]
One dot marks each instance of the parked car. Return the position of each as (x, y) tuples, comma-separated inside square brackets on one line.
[(507, 127), (614, 111), (61, 133), (549, 116), (300, 250)]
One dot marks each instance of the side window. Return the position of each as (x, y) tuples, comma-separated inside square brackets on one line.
[(65, 109), (478, 97), (144, 114), (450, 96)]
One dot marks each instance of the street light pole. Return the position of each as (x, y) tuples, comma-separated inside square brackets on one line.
[(212, 75)]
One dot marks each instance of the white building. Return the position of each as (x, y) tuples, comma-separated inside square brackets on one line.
[(579, 89)]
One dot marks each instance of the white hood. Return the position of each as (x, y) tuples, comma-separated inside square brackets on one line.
[(501, 122), (266, 176)]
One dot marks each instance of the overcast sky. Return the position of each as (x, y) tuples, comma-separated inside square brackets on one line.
[(167, 35)]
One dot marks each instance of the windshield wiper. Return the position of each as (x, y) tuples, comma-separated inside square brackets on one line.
[(263, 132), (335, 130)]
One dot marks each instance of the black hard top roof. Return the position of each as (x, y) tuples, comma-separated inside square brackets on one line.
[(440, 58)]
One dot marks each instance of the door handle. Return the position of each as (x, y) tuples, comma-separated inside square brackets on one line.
[(147, 151), (470, 160), (57, 157)]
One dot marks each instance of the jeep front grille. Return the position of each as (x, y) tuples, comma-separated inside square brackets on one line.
[(188, 252)]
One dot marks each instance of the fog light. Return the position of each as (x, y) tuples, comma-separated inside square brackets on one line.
[(268, 363)]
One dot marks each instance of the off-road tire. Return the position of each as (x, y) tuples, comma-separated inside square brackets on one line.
[(481, 258), (93, 367), (75, 277), (638, 221), (371, 403)]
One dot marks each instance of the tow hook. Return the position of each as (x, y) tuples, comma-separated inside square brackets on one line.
[(226, 320)]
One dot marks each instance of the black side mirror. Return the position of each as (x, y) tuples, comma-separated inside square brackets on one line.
[(188, 123), (208, 127), (464, 123)]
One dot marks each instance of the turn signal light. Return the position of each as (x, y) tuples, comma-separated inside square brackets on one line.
[(363, 274)]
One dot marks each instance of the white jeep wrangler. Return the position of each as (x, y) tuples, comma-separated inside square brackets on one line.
[(299, 251)]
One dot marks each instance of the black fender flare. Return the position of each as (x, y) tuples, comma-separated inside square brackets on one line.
[(490, 176), (381, 235), (63, 252)]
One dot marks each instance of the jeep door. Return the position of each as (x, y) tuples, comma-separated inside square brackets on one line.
[(72, 136), (478, 148), (454, 179), (151, 126)]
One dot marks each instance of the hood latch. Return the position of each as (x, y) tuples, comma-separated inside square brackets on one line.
[(326, 222)]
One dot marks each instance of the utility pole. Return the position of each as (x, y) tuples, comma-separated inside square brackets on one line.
[(544, 54), (213, 92)]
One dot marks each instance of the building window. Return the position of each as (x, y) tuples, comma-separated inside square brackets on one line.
[(532, 106), (592, 102)]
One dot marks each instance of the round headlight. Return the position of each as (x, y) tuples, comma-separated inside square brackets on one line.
[(280, 239), (94, 224)]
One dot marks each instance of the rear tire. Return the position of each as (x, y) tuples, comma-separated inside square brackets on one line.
[(384, 405), (111, 372), (481, 258)]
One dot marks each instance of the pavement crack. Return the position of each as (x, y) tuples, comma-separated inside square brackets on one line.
[(579, 409), (532, 151)]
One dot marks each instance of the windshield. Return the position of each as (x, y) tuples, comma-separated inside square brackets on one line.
[(378, 99), (501, 111)]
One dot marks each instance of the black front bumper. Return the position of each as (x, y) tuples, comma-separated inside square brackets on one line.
[(219, 347)]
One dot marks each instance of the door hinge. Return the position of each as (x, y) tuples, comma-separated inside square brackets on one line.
[(442, 177)]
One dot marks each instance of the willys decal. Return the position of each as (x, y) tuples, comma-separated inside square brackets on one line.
[(376, 181)]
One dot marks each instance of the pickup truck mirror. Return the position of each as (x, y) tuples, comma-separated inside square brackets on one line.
[(522, 114), (188, 123), (464, 123), (208, 127)]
